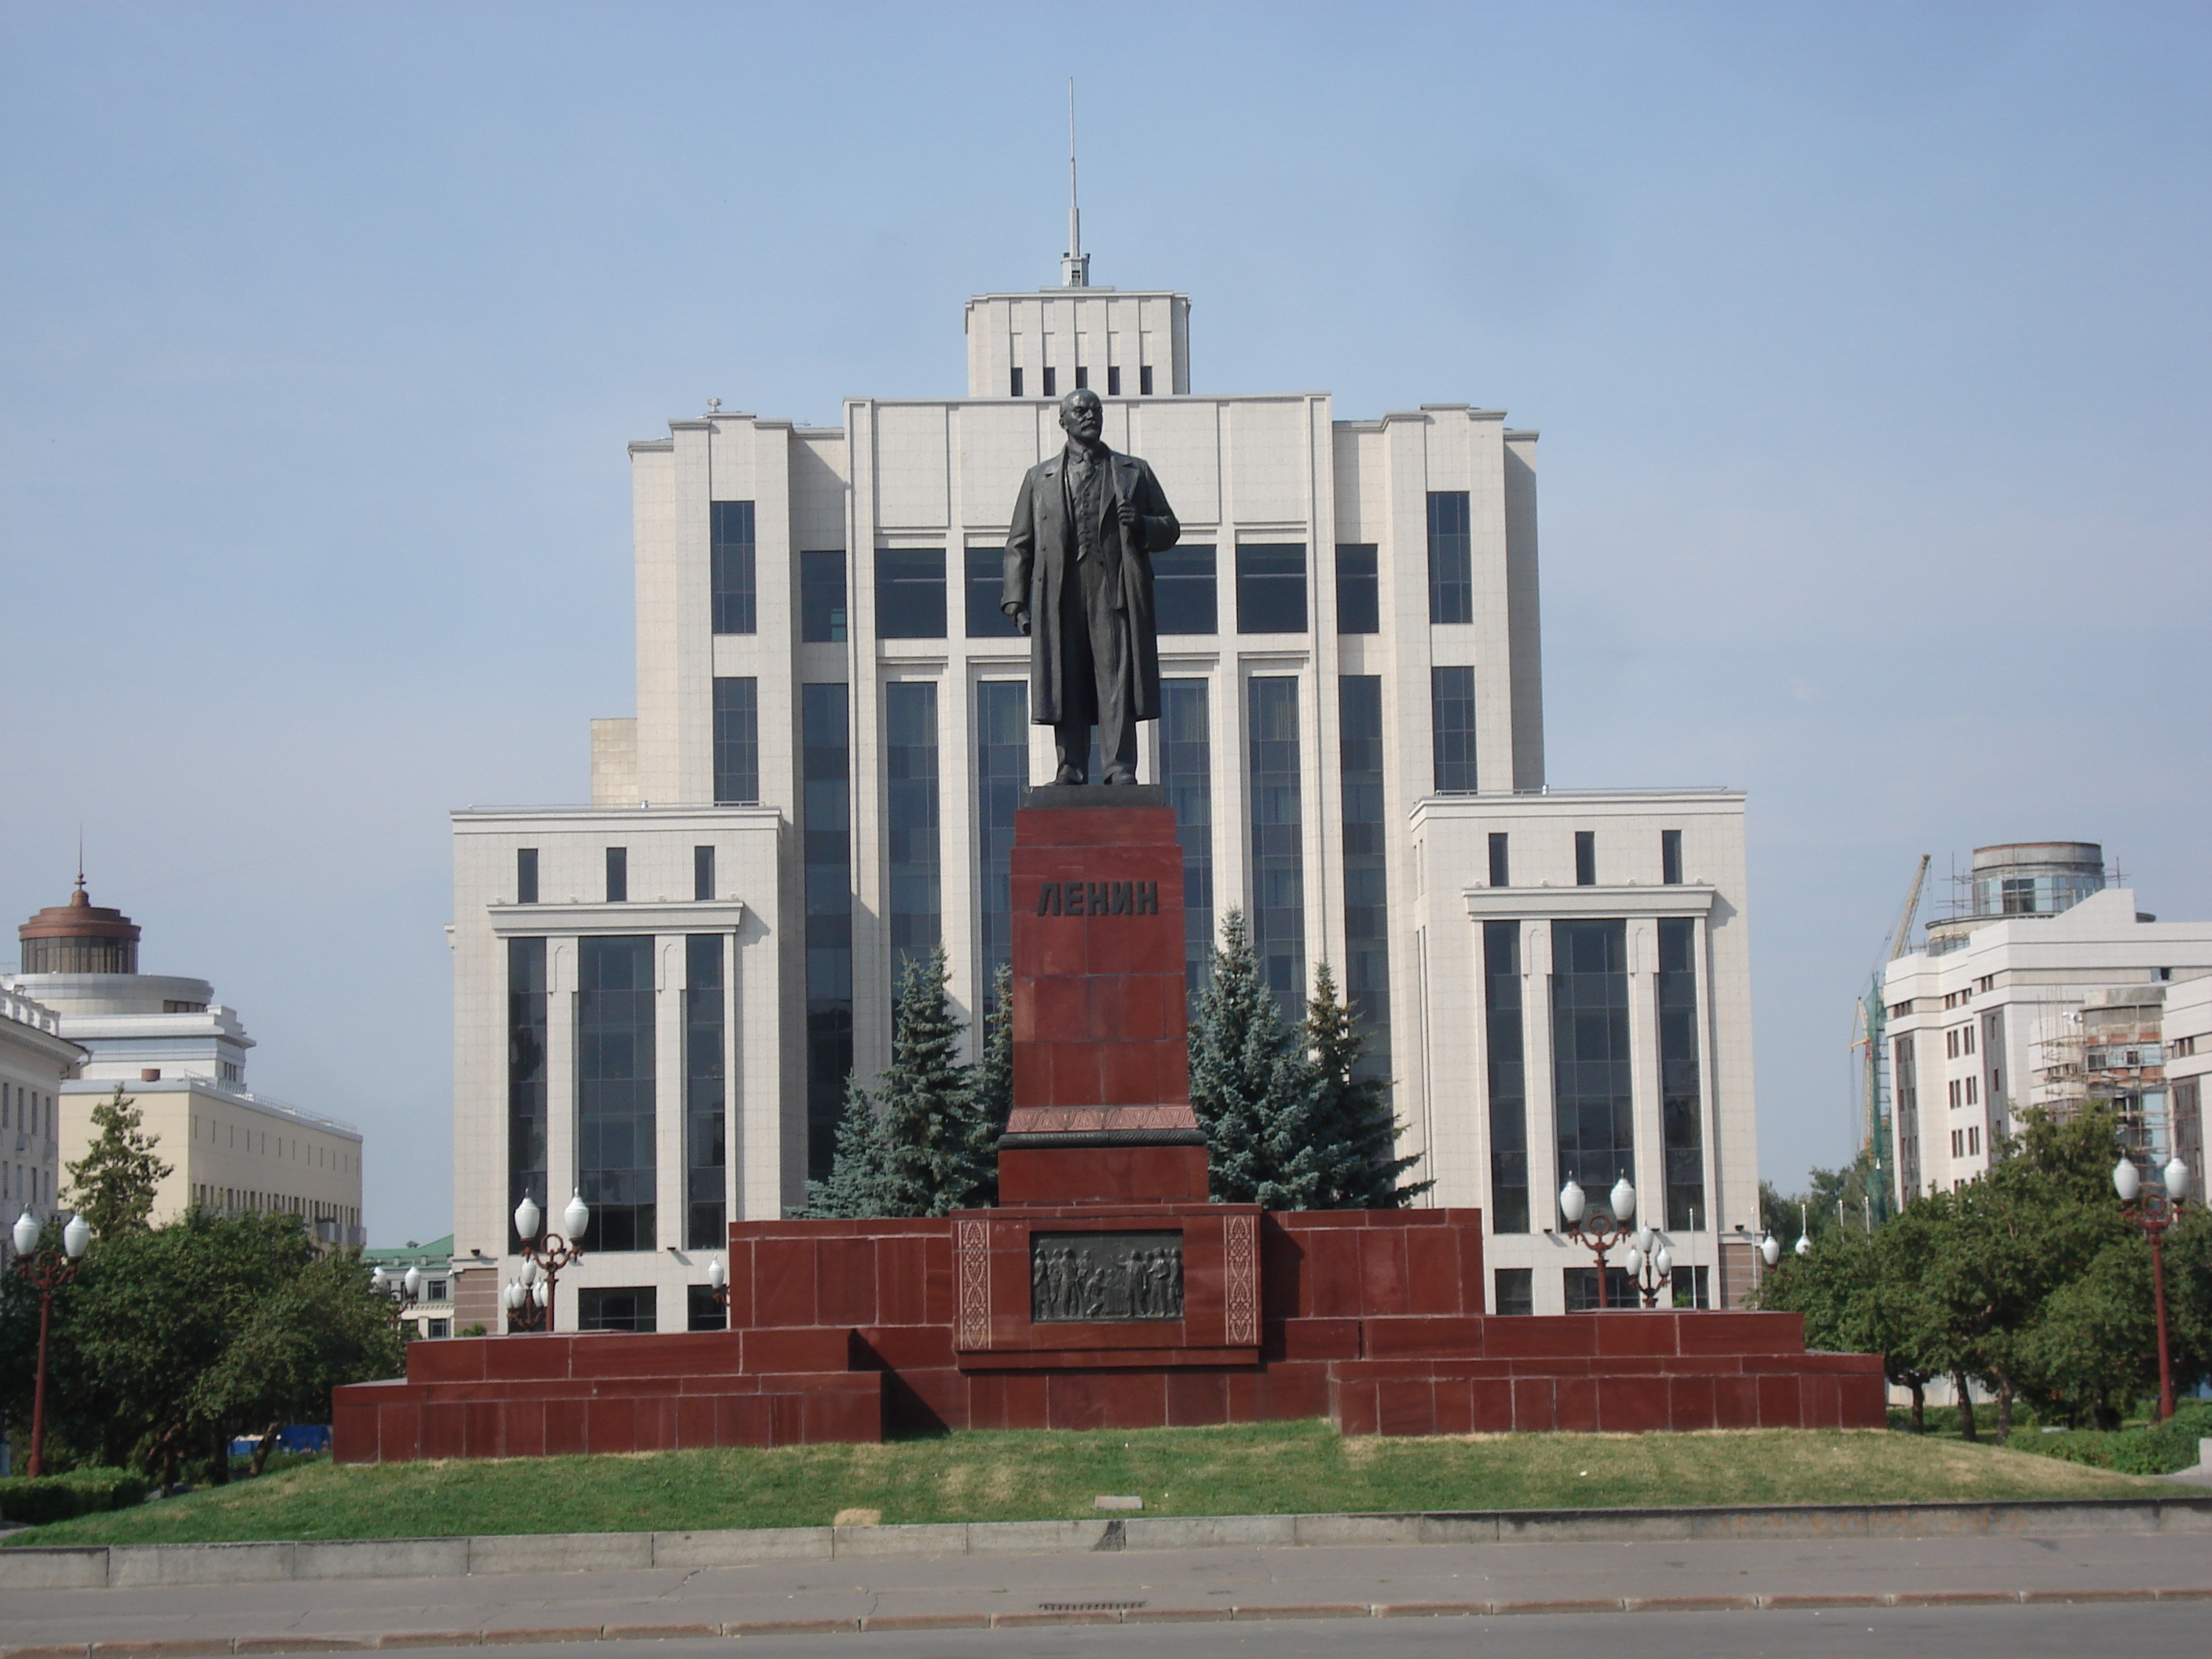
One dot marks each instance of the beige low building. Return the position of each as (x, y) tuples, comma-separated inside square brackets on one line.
[(180, 1058)]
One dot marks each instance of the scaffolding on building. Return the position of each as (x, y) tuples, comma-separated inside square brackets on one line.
[(2110, 1053)]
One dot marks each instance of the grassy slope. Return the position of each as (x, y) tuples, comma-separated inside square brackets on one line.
[(1264, 1468)]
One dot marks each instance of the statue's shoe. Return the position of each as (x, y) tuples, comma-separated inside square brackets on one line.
[(1119, 776), (1071, 774)]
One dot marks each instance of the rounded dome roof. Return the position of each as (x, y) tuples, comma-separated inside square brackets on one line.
[(79, 919)]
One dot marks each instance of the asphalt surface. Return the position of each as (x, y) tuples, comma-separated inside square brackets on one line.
[(1205, 1601), (1918, 1633)]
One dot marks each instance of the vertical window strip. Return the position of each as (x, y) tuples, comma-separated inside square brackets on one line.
[(705, 1095), (1908, 1121), (821, 597), (615, 1076), (1681, 1104), (1187, 772), (1358, 589), (1451, 559), (1593, 1107), (1002, 768), (1366, 870), (731, 569), (1451, 726), (737, 741), (1278, 911), (911, 823), (1508, 1079), (525, 1075), (826, 765)]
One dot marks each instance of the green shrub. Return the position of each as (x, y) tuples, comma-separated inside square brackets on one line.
[(2159, 1449), (59, 1497)]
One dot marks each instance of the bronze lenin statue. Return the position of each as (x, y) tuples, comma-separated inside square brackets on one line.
[(1079, 584)]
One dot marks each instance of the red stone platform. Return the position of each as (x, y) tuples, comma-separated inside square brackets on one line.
[(1104, 1291)]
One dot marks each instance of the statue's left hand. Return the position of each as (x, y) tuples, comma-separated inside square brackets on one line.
[(1131, 519)]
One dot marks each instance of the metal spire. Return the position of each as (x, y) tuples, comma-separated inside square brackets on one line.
[(1074, 265)]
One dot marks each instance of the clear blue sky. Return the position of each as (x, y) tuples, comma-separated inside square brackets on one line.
[(1869, 344)]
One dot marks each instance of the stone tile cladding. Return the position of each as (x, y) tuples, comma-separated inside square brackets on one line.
[(842, 1328)]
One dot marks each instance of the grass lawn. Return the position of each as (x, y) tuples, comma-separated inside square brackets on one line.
[(1248, 1469)]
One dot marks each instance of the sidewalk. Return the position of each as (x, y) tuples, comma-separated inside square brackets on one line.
[(1002, 1592)]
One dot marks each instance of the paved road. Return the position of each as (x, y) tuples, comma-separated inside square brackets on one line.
[(2055, 1632), (879, 1596)]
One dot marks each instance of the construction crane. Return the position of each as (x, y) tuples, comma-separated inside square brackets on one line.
[(1871, 1026)]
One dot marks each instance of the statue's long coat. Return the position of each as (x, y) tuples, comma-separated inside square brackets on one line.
[(1041, 556)]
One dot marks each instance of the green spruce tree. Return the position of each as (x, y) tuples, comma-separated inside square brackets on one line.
[(1254, 1092), (112, 1186), (855, 1186), (930, 1130), (991, 1085), (1356, 1130)]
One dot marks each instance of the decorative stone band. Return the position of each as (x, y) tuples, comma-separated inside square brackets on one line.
[(971, 1245), (1241, 1274)]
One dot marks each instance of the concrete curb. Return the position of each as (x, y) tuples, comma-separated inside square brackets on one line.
[(117, 1566), (193, 1648)]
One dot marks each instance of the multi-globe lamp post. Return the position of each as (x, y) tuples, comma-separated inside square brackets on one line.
[(2152, 1212), (529, 1299), (47, 1270), (1650, 1265), (1598, 1234), (403, 1289)]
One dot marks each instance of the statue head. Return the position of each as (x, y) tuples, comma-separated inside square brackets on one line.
[(1082, 416)]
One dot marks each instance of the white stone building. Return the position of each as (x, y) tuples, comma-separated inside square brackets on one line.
[(2049, 990), (36, 1062), (181, 1058), (658, 998)]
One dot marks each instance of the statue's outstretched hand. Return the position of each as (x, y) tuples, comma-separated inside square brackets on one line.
[(1020, 613)]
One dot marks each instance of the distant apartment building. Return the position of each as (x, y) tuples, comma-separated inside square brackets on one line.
[(2049, 989), (181, 1059), (659, 997)]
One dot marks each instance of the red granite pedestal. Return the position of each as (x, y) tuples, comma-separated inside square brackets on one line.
[(841, 1330)]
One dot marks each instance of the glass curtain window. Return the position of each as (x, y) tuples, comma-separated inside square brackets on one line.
[(1184, 600), (1670, 858), (1279, 878), (525, 1075), (1451, 559), (703, 874), (616, 1307), (1682, 1106), (737, 740), (910, 593), (1908, 1121), (1581, 1288), (1501, 861), (1509, 1077), (910, 822), (1002, 768), (825, 764), (1366, 872), (1585, 858), (986, 581), (1187, 772), (735, 604), (1451, 726), (1358, 590), (614, 1063), (526, 875), (705, 1096), (1593, 1108), (1271, 587), (618, 875), (1516, 1290), (822, 598)]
